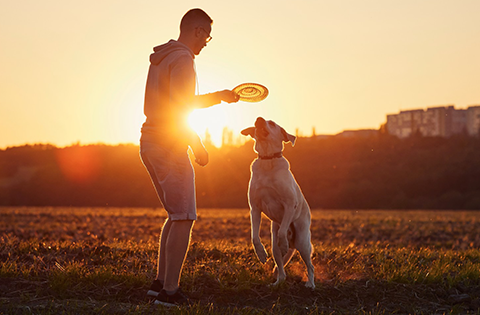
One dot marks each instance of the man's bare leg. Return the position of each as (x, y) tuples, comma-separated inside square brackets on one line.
[(174, 243), (161, 251)]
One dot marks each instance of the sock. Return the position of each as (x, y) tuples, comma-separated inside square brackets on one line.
[(171, 292)]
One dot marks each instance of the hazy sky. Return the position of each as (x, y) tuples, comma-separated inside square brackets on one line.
[(75, 70)]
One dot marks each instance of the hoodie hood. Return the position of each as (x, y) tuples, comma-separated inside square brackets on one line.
[(162, 51)]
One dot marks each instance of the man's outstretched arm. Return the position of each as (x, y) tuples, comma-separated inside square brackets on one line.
[(210, 99)]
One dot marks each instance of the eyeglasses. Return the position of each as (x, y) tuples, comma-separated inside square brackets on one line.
[(209, 38)]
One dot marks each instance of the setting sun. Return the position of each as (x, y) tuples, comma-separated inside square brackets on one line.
[(225, 120), (213, 119)]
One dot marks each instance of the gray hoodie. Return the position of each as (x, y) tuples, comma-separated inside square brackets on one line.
[(169, 94)]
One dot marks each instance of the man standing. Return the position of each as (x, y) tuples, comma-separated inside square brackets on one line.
[(169, 98)]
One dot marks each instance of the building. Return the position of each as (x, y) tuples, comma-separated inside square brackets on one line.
[(405, 123), (443, 121), (473, 120)]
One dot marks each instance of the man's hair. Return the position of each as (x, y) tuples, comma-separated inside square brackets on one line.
[(193, 17)]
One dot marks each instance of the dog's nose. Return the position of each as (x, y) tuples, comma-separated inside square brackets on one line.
[(260, 122)]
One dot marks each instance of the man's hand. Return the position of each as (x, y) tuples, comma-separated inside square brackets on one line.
[(201, 155), (199, 151), (229, 96)]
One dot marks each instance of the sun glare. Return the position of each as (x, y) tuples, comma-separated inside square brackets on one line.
[(224, 122), (211, 119)]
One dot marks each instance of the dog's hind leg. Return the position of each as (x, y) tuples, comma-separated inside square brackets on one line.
[(307, 258), (304, 246), (277, 255)]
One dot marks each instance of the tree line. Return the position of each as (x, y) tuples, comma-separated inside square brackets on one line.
[(376, 172)]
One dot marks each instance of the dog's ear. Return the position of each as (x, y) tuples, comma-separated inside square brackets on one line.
[(249, 132), (288, 137)]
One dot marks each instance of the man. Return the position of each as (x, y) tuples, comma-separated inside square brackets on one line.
[(169, 98)]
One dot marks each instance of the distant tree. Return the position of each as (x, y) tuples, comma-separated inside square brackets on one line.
[(335, 172)]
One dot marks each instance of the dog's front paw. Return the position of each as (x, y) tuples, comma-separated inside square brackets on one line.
[(261, 254)]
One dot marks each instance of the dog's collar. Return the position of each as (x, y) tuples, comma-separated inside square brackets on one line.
[(269, 157)]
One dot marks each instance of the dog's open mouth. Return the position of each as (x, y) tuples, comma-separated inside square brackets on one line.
[(260, 128), (261, 132)]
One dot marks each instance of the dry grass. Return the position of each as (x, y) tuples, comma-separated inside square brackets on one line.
[(102, 260)]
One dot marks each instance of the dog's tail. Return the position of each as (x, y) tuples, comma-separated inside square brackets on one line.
[(291, 233)]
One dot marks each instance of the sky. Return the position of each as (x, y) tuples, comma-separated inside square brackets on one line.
[(75, 71)]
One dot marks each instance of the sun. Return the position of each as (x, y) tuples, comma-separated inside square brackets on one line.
[(213, 120), (223, 122)]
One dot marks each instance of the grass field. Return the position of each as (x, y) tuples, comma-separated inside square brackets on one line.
[(102, 261)]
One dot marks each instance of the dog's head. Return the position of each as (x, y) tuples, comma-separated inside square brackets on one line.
[(269, 137)]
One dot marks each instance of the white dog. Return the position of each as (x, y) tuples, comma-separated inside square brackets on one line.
[(274, 191)]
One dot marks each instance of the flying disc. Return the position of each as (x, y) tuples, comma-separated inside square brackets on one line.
[(251, 92)]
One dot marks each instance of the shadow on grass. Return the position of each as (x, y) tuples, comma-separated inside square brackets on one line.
[(20, 296)]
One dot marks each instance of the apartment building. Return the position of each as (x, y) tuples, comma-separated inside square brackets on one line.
[(443, 121), (473, 120)]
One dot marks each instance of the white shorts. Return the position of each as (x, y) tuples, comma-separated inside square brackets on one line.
[(173, 176)]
